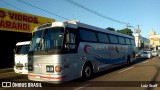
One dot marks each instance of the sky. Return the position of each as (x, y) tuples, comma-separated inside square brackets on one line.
[(144, 13)]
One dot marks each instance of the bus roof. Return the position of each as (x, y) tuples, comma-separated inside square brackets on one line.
[(76, 24), (83, 25), (23, 43)]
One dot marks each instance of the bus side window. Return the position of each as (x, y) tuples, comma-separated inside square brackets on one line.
[(70, 40)]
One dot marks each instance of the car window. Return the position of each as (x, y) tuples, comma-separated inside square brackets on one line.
[(145, 53)]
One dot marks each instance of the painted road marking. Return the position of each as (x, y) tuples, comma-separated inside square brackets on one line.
[(82, 87), (125, 69)]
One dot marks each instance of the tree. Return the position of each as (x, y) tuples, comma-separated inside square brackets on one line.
[(110, 28), (126, 31)]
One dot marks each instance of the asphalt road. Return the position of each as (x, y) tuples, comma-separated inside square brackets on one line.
[(143, 74)]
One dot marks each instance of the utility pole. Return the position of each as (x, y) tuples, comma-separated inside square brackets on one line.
[(138, 32), (128, 25)]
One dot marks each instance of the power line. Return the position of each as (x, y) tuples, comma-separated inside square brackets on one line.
[(12, 6), (94, 12), (43, 10)]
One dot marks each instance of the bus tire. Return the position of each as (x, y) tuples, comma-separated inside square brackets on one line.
[(128, 61), (87, 72)]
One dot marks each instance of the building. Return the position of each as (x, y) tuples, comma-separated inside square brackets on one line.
[(141, 42), (16, 27), (154, 40)]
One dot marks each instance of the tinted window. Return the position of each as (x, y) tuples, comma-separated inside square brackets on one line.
[(103, 38), (53, 38), (88, 35), (132, 42), (113, 39), (146, 52), (121, 40), (127, 41), (22, 49), (70, 40)]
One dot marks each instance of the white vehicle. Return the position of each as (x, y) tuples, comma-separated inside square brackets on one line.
[(138, 53), (154, 53), (146, 54), (63, 51), (21, 57), (158, 52)]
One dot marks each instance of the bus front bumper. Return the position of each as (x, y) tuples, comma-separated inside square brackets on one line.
[(21, 70), (48, 78)]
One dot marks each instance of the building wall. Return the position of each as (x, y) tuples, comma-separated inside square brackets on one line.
[(137, 40), (155, 41), (141, 42), (8, 42), (20, 22), (16, 27)]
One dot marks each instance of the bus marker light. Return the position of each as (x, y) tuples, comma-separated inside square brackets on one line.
[(58, 68)]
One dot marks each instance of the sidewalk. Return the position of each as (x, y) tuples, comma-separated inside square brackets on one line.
[(6, 70)]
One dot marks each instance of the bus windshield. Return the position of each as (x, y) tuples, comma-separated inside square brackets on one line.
[(22, 49), (47, 39)]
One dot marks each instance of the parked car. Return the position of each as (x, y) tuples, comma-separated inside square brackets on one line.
[(146, 54), (158, 53), (138, 53), (154, 53)]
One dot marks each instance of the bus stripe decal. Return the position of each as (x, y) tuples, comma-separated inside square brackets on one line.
[(110, 61)]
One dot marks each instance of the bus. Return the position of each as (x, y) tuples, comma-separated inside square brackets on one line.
[(21, 57), (63, 51)]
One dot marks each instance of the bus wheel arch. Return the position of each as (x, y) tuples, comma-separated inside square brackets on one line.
[(87, 70)]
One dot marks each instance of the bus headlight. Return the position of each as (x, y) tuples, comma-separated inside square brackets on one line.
[(49, 68)]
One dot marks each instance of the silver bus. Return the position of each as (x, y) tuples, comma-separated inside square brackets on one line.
[(63, 51)]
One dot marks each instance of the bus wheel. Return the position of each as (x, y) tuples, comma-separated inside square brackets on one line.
[(87, 72)]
